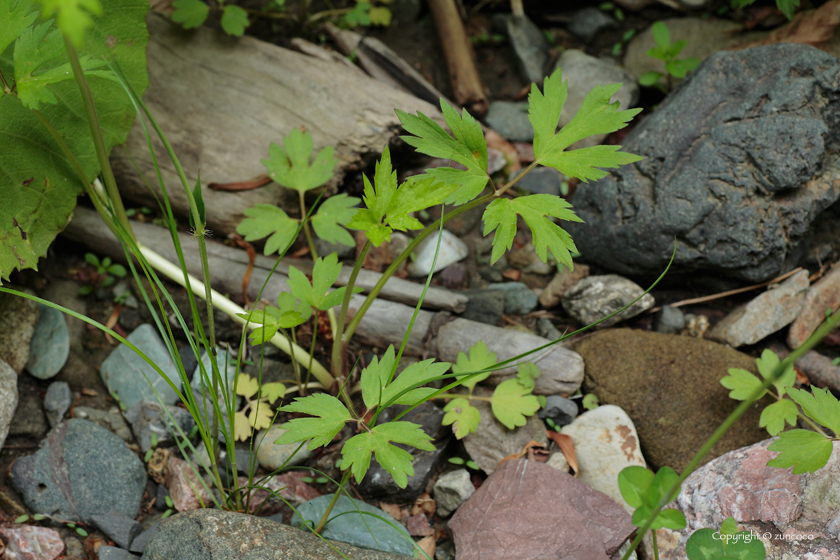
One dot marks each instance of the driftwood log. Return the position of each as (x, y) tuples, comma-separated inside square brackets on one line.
[(385, 322), (222, 100)]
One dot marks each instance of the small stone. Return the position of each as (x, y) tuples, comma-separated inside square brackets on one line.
[(160, 498), (130, 376), (527, 260), (510, 120), (765, 314), (57, 402), (28, 416), (227, 368), (558, 461), (542, 180), (519, 298), (118, 527), (562, 281), (451, 251), (453, 277), (596, 297), (445, 551), (158, 464), (50, 344), (560, 410), (326, 248), (18, 317), (113, 553), (110, 419), (8, 399), (696, 326), (824, 295), (606, 442), (148, 418), (530, 47), (74, 549), (122, 293), (138, 545), (451, 490), (349, 526), (183, 484), (418, 526), (28, 542), (484, 306), (587, 23), (272, 456), (547, 330), (669, 320), (99, 474)]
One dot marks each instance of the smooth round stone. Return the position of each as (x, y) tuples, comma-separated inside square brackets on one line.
[(272, 456), (50, 344)]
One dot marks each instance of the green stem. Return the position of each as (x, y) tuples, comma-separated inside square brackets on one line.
[(655, 546), (330, 507), (821, 332), (306, 231), (516, 179), (117, 207), (6, 87), (311, 350)]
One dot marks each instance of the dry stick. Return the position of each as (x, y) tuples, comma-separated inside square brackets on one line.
[(730, 292), (460, 59)]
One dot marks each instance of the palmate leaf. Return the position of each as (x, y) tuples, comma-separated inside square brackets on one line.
[(463, 417), (467, 146), (643, 490), (804, 450), (265, 220), (526, 374), (742, 384), (706, 544), (332, 215), (234, 20), (324, 274), (819, 405), (190, 13), (356, 453), (376, 391), (38, 184), (537, 211), (15, 16), (774, 416), (328, 417), (73, 16), (480, 358), (512, 402), (289, 166), (767, 364)]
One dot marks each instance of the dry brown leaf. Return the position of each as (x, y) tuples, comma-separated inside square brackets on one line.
[(512, 274), (565, 444), (810, 28), (425, 504), (248, 185), (427, 545), (528, 446), (392, 509), (89, 392), (239, 241)]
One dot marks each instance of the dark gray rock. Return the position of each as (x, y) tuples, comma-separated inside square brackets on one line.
[(57, 402), (530, 47), (188, 359), (160, 497), (542, 180), (50, 344), (113, 553), (669, 320), (510, 120), (587, 23), (205, 534), (519, 298), (560, 409), (110, 419), (28, 416), (80, 471), (148, 418), (484, 306), (740, 160), (138, 545), (118, 527)]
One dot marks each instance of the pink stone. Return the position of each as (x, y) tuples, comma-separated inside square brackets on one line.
[(183, 484), (418, 526), (824, 294), (28, 542)]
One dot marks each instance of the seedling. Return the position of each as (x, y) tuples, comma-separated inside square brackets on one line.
[(590, 401), (667, 52), (41, 516), (728, 542), (470, 464), (105, 275), (613, 9), (643, 490)]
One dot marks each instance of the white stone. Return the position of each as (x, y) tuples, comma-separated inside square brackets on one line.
[(272, 457), (558, 461), (452, 250), (606, 442), (452, 490)]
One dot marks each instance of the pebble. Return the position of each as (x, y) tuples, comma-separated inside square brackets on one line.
[(606, 442), (560, 410), (227, 368), (29, 542), (451, 490), (484, 306), (110, 419), (185, 488), (527, 260), (542, 180), (50, 344), (596, 297), (272, 456), (765, 314), (584, 72), (669, 320), (510, 120), (451, 251), (327, 248), (132, 379), (558, 461), (519, 298), (562, 281), (210, 533), (57, 402), (99, 474), (823, 295), (28, 416), (8, 399), (113, 553), (546, 329), (148, 418), (118, 527), (18, 317), (128, 300), (453, 277), (418, 526), (587, 23), (529, 46), (353, 528)]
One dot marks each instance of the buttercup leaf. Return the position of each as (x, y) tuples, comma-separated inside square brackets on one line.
[(328, 417), (356, 453), (72, 16), (268, 220), (246, 385), (804, 450), (190, 13), (480, 358), (234, 20), (742, 384), (512, 402), (332, 215), (463, 417), (774, 416), (289, 164), (819, 405)]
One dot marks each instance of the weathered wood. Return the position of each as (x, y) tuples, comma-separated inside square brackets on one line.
[(222, 100)]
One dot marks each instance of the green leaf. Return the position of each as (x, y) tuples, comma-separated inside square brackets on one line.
[(643, 490), (359, 15), (691, 63), (537, 211), (676, 68), (21, 519), (73, 16), (289, 165), (742, 384), (512, 403), (804, 450), (590, 401), (199, 204), (527, 373), (544, 109), (324, 274), (190, 13), (633, 483), (649, 79), (728, 526), (463, 416), (661, 34), (356, 453), (375, 376), (819, 405), (287, 302), (117, 270), (584, 162), (787, 7), (480, 358), (333, 213), (329, 417), (268, 220), (374, 380), (467, 146), (767, 364), (773, 417), (706, 544), (15, 16), (38, 183), (273, 391), (380, 16), (234, 20)]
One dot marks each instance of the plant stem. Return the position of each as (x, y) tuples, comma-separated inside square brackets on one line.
[(330, 507), (6, 87), (313, 251), (516, 179), (655, 546), (117, 208)]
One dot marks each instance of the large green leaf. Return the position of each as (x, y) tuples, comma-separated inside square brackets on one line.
[(38, 185)]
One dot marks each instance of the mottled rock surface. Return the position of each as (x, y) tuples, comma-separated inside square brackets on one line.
[(596, 297), (8, 399), (823, 295), (18, 317), (28, 542), (50, 344), (451, 490)]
